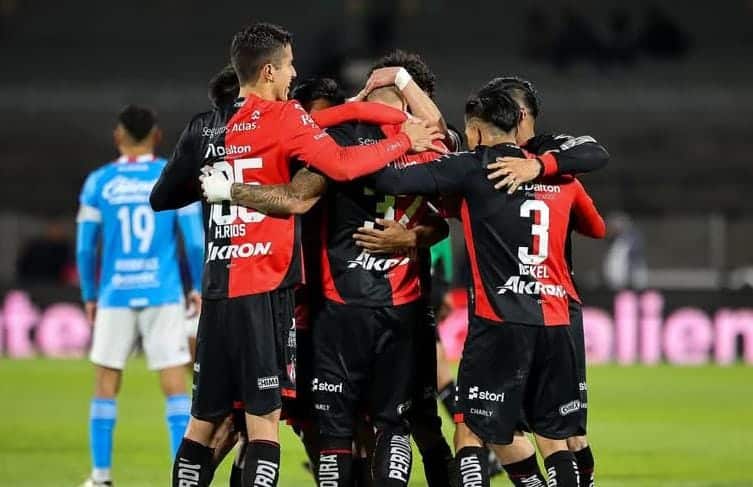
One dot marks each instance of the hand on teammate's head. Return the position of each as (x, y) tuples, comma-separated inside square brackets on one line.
[(422, 136)]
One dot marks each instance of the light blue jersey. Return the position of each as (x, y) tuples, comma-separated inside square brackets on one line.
[(138, 263)]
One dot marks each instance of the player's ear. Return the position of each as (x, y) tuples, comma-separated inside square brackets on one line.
[(268, 72)]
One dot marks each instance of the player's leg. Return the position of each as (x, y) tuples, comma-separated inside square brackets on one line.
[(391, 390), (579, 444), (552, 404), (471, 467), (342, 344), (114, 335), (446, 386), (423, 417), (212, 399), (519, 461), (491, 385), (166, 348), (262, 323)]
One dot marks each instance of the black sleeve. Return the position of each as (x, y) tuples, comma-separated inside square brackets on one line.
[(178, 185), (446, 175), (574, 155)]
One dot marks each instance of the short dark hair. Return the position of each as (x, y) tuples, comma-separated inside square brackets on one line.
[(414, 64), (256, 45), (224, 86), (138, 121), (495, 106), (520, 89), (310, 89)]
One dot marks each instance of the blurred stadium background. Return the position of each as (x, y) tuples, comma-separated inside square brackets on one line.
[(666, 86)]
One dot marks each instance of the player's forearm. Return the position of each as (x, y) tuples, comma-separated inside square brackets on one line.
[(85, 264), (434, 230), (364, 111), (349, 163), (171, 193), (270, 199), (411, 180), (424, 107), (582, 156)]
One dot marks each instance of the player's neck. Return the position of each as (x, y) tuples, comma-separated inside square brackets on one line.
[(493, 140), (135, 150), (265, 91), (526, 132)]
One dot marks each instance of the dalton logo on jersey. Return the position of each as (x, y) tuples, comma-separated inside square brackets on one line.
[(532, 288), (370, 263), (234, 251)]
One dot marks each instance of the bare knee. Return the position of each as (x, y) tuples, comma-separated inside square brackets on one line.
[(520, 449), (200, 431), (465, 437), (577, 443), (547, 446), (106, 382), (173, 380), (263, 427)]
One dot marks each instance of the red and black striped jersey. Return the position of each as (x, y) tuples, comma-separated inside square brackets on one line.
[(350, 274), (248, 252), (515, 242)]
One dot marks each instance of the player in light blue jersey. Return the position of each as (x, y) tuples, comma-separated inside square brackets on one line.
[(128, 263)]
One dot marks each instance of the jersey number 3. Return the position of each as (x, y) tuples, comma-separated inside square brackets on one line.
[(540, 229)]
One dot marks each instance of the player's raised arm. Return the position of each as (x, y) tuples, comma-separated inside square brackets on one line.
[(88, 227), (177, 185), (586, 218), (359, 111), (301, 138)]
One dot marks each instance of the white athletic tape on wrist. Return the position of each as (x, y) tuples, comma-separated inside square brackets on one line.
[(402, 78)]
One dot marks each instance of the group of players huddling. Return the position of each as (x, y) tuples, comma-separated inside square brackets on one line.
[(343, 347)]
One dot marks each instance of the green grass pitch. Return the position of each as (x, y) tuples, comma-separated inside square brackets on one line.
[(650, 426)]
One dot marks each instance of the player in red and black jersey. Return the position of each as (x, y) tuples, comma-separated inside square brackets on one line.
[(252, 259), (519, 353), (574, 154)]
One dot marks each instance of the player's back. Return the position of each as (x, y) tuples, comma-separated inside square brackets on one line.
[(139, 265), (351, 274), (516, 243)]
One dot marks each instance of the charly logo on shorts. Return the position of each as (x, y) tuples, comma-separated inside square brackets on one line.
[(570, 408), (271, 382)]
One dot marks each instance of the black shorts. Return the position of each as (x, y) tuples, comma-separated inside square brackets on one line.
[(243, 353), (576, 328), (508, 368), (297, 411), (363, 356)]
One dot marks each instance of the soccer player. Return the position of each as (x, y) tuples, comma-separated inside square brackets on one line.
[(253, 260), (573, 154), (383, 291), (519, 353), (139, 291)]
